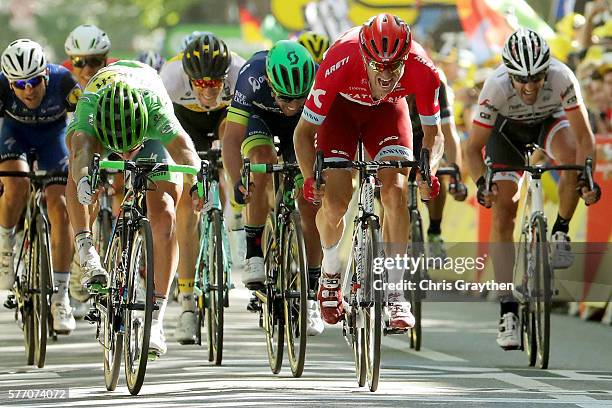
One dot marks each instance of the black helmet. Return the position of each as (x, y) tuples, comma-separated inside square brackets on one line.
[(206, 56)]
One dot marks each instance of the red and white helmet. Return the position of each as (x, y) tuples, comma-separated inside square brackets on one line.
[(385, 38)]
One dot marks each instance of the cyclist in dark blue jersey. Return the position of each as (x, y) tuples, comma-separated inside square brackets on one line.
[(34, 99), (270, 93)]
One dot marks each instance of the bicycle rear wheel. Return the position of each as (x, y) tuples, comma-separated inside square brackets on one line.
[(372, 312), (542, 290), (215, 289), (416, 295), (139, 307), (295, 282), (272, 308), (111, 320), (41, 296)]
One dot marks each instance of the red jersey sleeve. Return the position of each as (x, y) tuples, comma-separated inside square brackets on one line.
[(426, 84)]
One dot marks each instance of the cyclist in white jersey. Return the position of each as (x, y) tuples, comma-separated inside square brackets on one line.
[(530, 98), (200, 81)]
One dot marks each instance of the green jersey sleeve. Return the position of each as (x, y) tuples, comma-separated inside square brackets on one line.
[(83, 118), (163, 124)]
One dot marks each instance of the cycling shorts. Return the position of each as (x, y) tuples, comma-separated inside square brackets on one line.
[(385, 130)]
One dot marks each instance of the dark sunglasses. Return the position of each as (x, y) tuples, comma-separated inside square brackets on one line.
[(288, 99), (531, 78), (24, 83), (94, 62), (381, 67)]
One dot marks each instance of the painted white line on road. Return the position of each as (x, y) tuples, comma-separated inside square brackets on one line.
[(404, 345)]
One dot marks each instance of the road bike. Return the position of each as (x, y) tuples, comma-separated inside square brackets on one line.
[(214, 263), (31, 295), (123, 310), (284, 295), (364, 299), (532, 264)]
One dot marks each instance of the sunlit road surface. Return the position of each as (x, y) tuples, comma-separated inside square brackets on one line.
[(460, 366)]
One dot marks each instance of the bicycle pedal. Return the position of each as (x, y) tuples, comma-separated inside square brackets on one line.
[(391, 331), (152, 356), (93, 316), (10, 302), (255, 286)]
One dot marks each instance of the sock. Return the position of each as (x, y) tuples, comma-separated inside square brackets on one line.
[(159, 313), (7, 238), (186, 298), (508, 305), (434, 227), (561, 225), (313, 278), (84, 245), (61, 280), (331, 260), (395, 275), (253, 240)]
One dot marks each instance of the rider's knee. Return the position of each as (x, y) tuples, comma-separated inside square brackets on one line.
[(393, 196)]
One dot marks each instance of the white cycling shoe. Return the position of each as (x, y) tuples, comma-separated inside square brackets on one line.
[(254, 274), (63, 320), (315, 324), (7, 270), (562, 256), (508, 332), (185, 332), (93, 272), (157, 340)]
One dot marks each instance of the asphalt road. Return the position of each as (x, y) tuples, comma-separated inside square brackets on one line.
[(460, 366)]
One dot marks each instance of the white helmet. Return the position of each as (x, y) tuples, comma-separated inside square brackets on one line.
[(526, 53), (190, 37), (87, 39), (23, 59)]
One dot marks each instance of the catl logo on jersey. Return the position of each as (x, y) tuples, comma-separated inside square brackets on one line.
[(336, 66)]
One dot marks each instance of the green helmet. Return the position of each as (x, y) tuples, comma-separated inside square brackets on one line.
[(121, 117), (290, 69)]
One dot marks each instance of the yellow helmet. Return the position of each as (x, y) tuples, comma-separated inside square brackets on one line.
[(315, 43)]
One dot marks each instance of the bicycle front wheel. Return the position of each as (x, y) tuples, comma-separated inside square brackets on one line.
[(111, 317), (216, 290), (416, 295), (543, 294), (272, 308), (372, 308), (42, 295), (295, 282), (139, 307)]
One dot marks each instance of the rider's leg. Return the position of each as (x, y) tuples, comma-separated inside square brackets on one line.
[(12, 202), (563, 149)]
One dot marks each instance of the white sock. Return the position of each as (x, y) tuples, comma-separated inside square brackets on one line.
[(7, 238), (61, 280), (84, 246), (331, 264), (159, 314), (187, 301)]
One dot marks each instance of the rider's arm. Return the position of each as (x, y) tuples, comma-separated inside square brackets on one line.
[(183, 151), (81, 146), (433, 139), (579, 123), (477, 140), (303, 140), (452, 147), (232, 157)]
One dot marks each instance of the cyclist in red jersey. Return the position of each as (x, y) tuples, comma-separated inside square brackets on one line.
[(88, 48), (359, 93)]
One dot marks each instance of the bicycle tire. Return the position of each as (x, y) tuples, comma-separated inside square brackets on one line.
[(135, 372), (28, 334), (416, 295), (543, 292), (295, 290), (199, 284), (113, 338), (272, 308), (216, 303), (42, 296), (528, 333), (372, 313)]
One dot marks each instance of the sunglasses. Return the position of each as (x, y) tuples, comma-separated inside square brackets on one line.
[(381, 67), (24, 83), (531, 78), (94, 62), (208, 82), (287, 99)]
